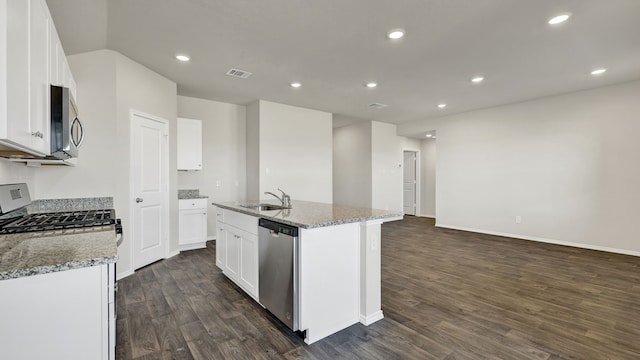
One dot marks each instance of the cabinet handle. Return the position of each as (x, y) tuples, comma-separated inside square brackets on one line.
[(38, 134)]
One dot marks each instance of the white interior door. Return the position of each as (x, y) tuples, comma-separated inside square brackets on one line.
[(409, 183), (149, 174)]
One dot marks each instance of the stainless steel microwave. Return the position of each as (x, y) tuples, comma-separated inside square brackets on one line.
[(67, 132)]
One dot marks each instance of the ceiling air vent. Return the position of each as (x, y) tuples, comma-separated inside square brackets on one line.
[(377, 105), (238, 73)]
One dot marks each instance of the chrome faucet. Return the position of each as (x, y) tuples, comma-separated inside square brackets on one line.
[(285, 200)]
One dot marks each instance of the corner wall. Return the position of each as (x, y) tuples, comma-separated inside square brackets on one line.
[(109, 86), (352, 165), (295, 151), (567, 165), (223, 152), (428, 178)]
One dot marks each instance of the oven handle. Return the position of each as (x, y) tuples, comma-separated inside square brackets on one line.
[(118, 228)]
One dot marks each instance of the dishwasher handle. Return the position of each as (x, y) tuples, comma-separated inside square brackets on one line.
[(278, 228)]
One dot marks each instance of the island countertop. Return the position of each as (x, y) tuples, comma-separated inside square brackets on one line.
[(34, 253), (308, 215)]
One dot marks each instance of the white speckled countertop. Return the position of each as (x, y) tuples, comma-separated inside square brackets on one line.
[(308, 215), (34, 253)]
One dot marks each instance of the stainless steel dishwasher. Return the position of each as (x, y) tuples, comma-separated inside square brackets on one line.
[(278, 290)]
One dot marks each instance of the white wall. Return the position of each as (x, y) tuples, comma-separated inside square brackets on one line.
[(11, 173), (253, 151), (141, 89), (566, 164), (109, 86), (96, 172), (295, 151), (223, 152), (386, 167), (352, 165), (428, 178)]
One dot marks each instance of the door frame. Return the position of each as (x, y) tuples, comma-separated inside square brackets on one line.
[(132, 196), (417, 179)]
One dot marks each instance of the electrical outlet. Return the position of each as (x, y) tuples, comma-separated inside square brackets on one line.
[(518, 219), (218, 183)]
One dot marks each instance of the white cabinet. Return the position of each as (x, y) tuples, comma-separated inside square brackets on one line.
[(60, 315), (189, 144), (221, 238), (240, 250), (30, 58), (25, 40), (192, 224), (59, 70)]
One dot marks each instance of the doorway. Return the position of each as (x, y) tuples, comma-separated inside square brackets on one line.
[(410, 182), (149, 194)]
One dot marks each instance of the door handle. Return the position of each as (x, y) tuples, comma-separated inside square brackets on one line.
[(139, 200)]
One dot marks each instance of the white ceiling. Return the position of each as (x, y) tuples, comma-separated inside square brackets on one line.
[(333, 47)]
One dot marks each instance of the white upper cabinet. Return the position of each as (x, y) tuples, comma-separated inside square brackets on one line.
[(189, 144), (30, 60), (39, 97)]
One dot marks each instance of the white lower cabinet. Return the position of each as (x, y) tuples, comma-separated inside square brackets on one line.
[(237, 255), (221, 238), (61, 315), (192, 224)]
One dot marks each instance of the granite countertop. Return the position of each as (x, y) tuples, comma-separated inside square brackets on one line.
[(34, 253), (308, 215), (190, 194)]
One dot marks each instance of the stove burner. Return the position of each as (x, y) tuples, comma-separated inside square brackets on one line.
[(60, 220)]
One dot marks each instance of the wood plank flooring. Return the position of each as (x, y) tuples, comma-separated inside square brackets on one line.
[(446, 294)]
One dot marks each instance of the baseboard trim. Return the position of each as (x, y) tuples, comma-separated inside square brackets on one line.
[(370, 319), (211, 238), (124, 274), (427, 216), (172, 254), (544, 240)]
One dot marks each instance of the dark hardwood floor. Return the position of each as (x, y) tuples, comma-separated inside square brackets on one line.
[(446, 294)]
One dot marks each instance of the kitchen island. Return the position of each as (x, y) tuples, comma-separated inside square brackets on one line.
[(338, 259)]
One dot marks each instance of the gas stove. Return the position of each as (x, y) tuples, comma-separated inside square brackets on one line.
[(14, 219), (59, 221)]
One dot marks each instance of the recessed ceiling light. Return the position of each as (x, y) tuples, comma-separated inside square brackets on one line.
[(429, 135), (559, 19), (442, 106), (295, 84), (395, 34), (477, 79), (598, 71), (371, 85), (183, 58)]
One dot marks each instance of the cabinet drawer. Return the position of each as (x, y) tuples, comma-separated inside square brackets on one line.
[(244, 222), (186, 204), (219, 214)]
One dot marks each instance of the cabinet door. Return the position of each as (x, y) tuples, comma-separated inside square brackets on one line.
[(248, 276), (60, 315), (193, 226), (14, 123), (24, 123), (221, 245), (39, 76), (189, 144), (232, 253)]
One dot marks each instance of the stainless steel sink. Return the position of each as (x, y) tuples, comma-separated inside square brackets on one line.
[(265, 207)]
